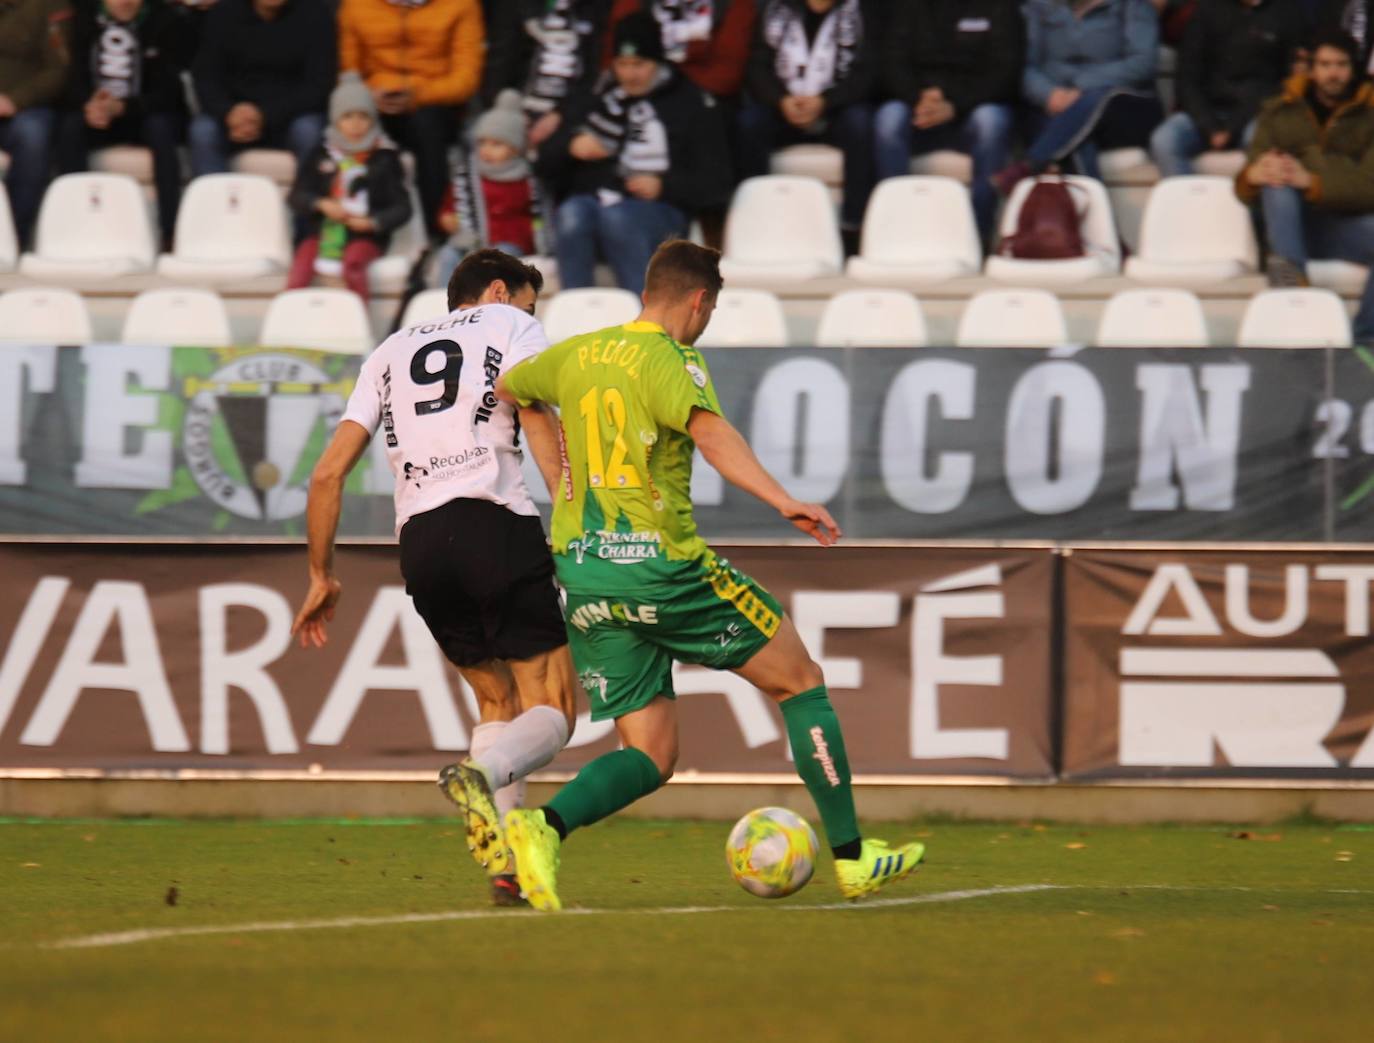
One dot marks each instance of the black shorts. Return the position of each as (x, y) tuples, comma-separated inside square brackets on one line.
[(482, 580)]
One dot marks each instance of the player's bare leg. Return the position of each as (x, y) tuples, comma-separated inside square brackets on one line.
[(609, 783), (785, 671)]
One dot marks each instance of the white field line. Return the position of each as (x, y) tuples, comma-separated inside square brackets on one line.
[(99, 941)]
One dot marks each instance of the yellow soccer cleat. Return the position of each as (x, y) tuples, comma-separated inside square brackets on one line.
[(535, 845), (877, 866), (467, 787)]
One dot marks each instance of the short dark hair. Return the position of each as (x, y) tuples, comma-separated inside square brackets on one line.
[(1340, 40), (481, 268), (679, 268)]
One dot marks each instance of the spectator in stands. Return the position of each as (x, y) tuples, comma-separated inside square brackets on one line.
[(125, 89), (262, 77), (811, 77), (423, 61), (1090, 71), (1235, 54), (954, 70), (493, 198), (1311, 171), (1356, 18), (651, 150), (707, 39), (351, 190), (550, 51), (33, 66)]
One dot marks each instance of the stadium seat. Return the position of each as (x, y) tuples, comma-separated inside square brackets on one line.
[(389, 273), (91, 226), (178, 316), (944, 163), (44, 315), (1341, 276), (1306, 318), (781, 229), (135, 161), (426, 306), (1025, 318), (1153, 318), (917, 230), (9, 239), (1195, 231), (1227, 163), (825, 163), (1100, 242), (574, 312), (278, 164), (324, 318), (872, 318), (746, 319), (229, 227)]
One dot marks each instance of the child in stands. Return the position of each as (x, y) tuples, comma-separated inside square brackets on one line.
[(493, 199), (352, 190)]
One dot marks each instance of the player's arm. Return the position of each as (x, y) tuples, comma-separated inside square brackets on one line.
[(321, 525), (726, 450), (540, 427)]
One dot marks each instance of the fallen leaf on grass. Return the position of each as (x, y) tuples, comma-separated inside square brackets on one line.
[(344, 862), (1128, 932), (171, 896), (1246, 835), (1084, 912), (1344, 856), (1104, 978), (33, 865), (1270, 908), (1321, 923), (1076, 846), (88, 837)]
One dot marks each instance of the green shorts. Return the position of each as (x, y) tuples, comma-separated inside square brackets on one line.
[(624, 645)]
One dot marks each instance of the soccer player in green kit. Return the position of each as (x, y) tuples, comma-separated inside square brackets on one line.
[(644, 589)]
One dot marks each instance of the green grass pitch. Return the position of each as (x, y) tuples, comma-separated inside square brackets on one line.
[(1134, 934)]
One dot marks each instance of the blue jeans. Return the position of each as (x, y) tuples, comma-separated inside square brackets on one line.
[(985, 134), (625, 233), (1297, 231), (1103, 117), (209, 144), (1177, 141), (761, 130), (27, 137)]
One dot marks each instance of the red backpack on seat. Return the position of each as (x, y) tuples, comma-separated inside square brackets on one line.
[(1049, 224)]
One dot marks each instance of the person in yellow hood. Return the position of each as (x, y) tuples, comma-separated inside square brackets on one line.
[(422, 60)]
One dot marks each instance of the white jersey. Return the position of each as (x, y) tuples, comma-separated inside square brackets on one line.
[(431, 388)]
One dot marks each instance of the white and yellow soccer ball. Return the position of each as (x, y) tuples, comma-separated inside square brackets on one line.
[(771, 852)]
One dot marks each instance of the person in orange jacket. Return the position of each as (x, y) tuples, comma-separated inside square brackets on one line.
[(422, 60)]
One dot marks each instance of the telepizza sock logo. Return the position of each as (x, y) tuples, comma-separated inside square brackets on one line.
[(822, 755)]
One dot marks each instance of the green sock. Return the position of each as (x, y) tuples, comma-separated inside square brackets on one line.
[(609, 783), (818, 750)]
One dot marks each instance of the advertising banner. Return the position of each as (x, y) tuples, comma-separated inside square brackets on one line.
[(1218, 662), (899, 444), (179, 656)]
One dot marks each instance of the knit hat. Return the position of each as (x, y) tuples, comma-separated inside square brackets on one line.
[(638, 35), (351, 95), (504, 121)]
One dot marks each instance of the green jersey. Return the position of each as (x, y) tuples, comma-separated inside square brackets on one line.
[(622, 519)]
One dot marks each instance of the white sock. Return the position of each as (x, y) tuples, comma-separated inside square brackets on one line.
[(484, 736), (510, 750)]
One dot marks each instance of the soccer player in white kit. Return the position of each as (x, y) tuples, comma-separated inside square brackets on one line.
[(473, 551)]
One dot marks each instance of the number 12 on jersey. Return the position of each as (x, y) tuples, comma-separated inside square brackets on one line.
[(603, 413)]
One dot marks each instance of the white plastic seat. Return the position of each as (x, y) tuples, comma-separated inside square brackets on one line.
[(872, 318), (323, 318), (426, 306), (229, 227), (44, 315), (91, 226), (746, 319), (178, 316), (1194, 231), (780, 229), (1102, 248), (135, 161), (1307, 318), (944, 163), (1341, 276), (1226, 163), (1157, 317), (917, 230), (1022, 318), (571, 313), (810, 159), (9, 239), (278, 164)]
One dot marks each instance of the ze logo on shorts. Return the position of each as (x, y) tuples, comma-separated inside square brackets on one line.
[(594, 612)]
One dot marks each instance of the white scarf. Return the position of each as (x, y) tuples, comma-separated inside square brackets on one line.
[(683, 22)]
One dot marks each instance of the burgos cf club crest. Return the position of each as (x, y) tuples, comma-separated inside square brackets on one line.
[(251, 430)]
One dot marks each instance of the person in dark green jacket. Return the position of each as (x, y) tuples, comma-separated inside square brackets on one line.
[(33, 69), (1311, 171)]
